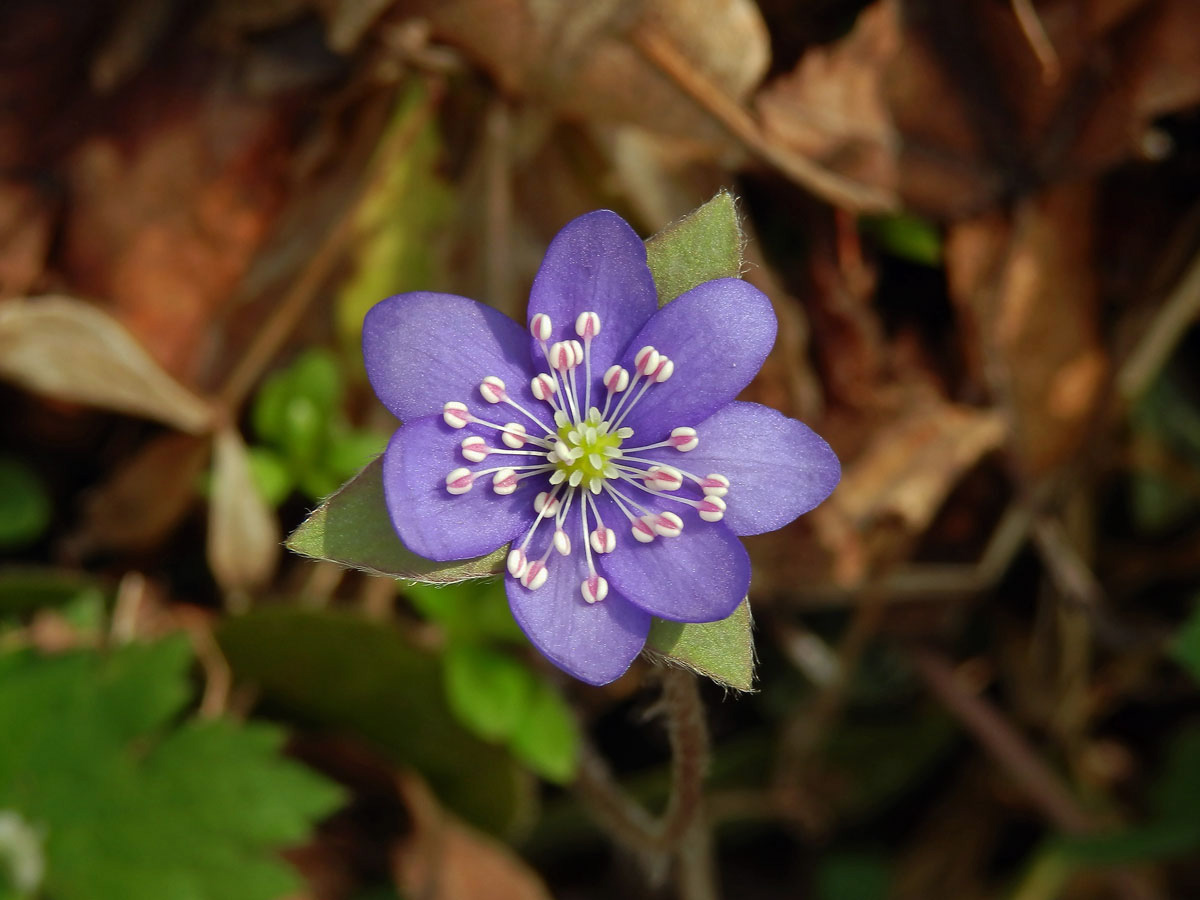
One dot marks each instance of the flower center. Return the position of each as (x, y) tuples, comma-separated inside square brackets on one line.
[(582, 455)]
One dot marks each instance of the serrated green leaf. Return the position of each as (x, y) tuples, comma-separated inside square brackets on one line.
[(705, 244), (352, 528), (132, 811), (724, 651), (547, 738), (488, 691), (347, 674)]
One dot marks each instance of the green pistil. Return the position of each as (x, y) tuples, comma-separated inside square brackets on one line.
[(594, 443)]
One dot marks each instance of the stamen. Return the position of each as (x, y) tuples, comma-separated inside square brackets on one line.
[(711, 509), (517, 562), (587, 325), (535, 576), (562, 542), (714, 485), (460, 480), (540, 327), (663, 478), (684, 439), (514, 435), (492, 389), (643, 529), (505, 481), (545, 504), (456, 414), (668, 524), (594, 588), (544, 388), (474, 448)]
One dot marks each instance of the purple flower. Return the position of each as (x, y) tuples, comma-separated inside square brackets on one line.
[(603, 442)]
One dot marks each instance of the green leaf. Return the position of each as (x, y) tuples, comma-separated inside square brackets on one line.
[(1185, 647), (905, 236), (347, 674), (724, 651), (547, 738), (271, 474), (487, 690), (352, 528), (705, 244), (24, 504), (853, 876), (468, 611), (26, 588), (134, 810)]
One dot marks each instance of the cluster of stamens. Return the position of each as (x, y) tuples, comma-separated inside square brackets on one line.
[(583, 455)]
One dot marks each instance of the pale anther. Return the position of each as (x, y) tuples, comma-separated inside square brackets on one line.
[(456, 415), (517, 563), (513, 435), (684, 439), (562, 542), (540, 327), (505, 481), (535, 576), (668, 524), (711, 509), (492, 389), (587, 325), (643, 529), (603, 540), (646, 360), (545, 505), (714, 485), (543, 387), (616, 379), (474, 448), (594, 588), (666, 368), (460, 480), (562, 356)]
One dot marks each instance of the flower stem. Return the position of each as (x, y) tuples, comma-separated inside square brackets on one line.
[(681, 836)]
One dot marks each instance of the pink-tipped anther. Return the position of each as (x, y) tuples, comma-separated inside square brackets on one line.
[(594, 588), (540, 327), (643, 529), (616, 379), (492, 389), (647, 360), (543, 387), (711, 509), (505, 481), (714, 485), (668, 524), (587, 325), (684, 439), (474, 449), (517, 563), (456, 415), (514, 435), (562, 542), (535, 576), (545, 505), (460, 480), (603, 540)]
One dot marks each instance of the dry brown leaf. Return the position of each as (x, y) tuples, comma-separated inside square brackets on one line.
[(445, 859), (957, 108), (1028, 296), (890, 493), (71, 350), (576, 58), (25, 230), (144, 499), (243, 532)]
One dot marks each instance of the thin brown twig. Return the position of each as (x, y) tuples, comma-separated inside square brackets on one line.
[(662, 52), (682, 832), (1035, 33), (1003, 743), (1180, 309)]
